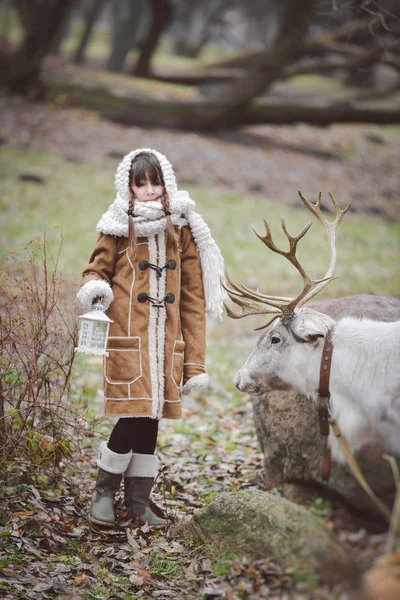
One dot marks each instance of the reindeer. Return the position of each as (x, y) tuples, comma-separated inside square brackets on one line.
[(365, 365)]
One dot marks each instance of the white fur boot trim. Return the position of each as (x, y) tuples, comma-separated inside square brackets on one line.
[(197, 381), (91, 290), (142, 465), (112, 462)]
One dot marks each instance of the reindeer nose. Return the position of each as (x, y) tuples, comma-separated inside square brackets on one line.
[(236, 380)]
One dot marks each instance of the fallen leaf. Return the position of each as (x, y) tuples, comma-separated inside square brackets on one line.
[(80, 578), (136, 580)]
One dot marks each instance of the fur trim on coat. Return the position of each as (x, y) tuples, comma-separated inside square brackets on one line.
[(94, 289), (198, 381)]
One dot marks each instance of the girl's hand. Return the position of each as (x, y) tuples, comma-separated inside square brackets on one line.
[(95, 290), (198, 381)]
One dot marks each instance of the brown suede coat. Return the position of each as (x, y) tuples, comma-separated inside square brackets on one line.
[(152, 349)]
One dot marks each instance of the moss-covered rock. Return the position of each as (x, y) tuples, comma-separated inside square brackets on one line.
[(259, 524)]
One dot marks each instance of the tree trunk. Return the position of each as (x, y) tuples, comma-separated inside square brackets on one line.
[(127, 21), (91, 17), (62, 33), (263, 22), (162, 12), (312, 46), (264, 67), (193, 23), (131, 109), (41, 21), (189, 38)]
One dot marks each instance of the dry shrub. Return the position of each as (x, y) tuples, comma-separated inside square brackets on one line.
[(39, 425)]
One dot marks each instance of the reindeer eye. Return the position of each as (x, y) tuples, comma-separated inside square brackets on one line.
[(275, 339)]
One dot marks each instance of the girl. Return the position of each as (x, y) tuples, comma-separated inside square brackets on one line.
[(157, 270)]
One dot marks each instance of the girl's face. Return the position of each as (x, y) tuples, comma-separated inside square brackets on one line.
[(147, 191)]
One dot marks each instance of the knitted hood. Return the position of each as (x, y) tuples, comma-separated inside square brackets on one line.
[(115, 220), (124, 167)]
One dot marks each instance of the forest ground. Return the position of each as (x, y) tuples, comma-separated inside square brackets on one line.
[(48, 549)]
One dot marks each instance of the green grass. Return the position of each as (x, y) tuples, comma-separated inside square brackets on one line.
[(308, 85), (10, 560), (208, 497), (322, 507), (311, 579), (73, 197), (167, 567), (368, 248), (222, 563)]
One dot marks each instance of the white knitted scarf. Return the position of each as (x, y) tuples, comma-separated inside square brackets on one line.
[(150, 219)]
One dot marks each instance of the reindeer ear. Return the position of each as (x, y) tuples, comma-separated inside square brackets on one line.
[(309, 327), (313, 337), (312, 332)]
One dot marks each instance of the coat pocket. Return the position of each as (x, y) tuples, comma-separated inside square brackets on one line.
[(124, 361), (177, 362)]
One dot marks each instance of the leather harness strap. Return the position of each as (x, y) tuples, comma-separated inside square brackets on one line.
[(325, 421), (325, 369), (323, 403)]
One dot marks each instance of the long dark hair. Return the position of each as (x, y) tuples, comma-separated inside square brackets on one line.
[(146, 166)]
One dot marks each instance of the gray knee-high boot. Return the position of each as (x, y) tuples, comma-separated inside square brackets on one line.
[(138, 480), (111, 466)]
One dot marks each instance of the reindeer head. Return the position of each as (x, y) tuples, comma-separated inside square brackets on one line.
[(293, 332), (285, 356)]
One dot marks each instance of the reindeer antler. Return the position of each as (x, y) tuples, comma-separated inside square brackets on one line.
[(247, 298), (252, 302), (330, 228)]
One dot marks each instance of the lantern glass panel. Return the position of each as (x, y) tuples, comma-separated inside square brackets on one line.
[(93, 331), (99, 335), (84, 333)]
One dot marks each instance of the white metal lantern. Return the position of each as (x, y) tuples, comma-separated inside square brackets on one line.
[(93, 331)]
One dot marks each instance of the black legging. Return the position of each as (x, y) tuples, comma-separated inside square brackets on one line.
[(138, 434)]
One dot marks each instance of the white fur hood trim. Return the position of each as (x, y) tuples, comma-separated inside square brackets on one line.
[(115, 219)]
